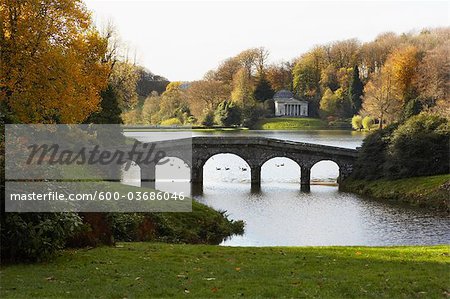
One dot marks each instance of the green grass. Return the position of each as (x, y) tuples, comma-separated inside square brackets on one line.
[(144, 270), (290, 123), (431, 191)]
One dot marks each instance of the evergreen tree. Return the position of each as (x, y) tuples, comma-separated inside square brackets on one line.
[(109, 109), (263, 90), (356, 91)]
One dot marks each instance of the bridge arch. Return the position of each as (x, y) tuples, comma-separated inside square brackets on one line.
[(227, 163), (325, 171), (130, 174), (174, 168), (280, 169)]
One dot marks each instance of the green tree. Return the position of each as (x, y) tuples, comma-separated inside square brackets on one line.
[(306, 78), (355, 91), (227, 114), (208, 119), (263, 90), (419, 147), (110, 112), (357, 122)]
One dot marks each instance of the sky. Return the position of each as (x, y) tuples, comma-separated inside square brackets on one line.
[(182, 40)]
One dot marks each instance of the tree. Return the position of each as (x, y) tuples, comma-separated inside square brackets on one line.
[(367, 122), (124, 79), (382, 99), (52, 68), (433, 79), (306, 78), (203, 96), (208, 119), (280, 76), (226, 70), (344, 54), (357, 122), (402, 64), (110, 112), (227, 114), (355, 91), (150, 110), (263, 91), (419, 147), (242, 88), (149, 82)]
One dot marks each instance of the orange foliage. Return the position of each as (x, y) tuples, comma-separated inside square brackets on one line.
[(51, 61)]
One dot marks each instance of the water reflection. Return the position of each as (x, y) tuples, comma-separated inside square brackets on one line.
[(280, 214)]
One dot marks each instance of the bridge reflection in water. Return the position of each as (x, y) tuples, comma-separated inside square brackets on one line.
[(255, 151)]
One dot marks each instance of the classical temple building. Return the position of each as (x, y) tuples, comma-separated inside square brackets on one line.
[(287, 105)]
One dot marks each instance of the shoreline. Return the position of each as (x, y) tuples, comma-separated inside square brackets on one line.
[(430, 192)]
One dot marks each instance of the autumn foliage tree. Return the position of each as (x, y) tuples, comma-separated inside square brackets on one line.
[(52, 61), (382, 98)]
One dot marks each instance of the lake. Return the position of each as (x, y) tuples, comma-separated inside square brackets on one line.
[(281, 215)]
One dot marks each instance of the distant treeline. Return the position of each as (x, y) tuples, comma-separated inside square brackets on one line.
[(385, 80)]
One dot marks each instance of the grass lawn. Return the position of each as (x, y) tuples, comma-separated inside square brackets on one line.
[(290, 123), (429, 191), (138, 270)]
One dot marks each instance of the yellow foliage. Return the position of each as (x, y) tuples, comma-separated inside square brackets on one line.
[(51, 61)]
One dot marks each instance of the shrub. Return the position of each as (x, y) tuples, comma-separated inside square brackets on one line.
[(372, 155), (208, 119), (357, 122), (171, 122), (125, 226), (36, 236), (269, 107), (227, 114), (367, 122), (419, 147)]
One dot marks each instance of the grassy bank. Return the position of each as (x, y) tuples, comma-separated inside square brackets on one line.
[(431, 192), (290, 123), (143, 270), (203, 225)]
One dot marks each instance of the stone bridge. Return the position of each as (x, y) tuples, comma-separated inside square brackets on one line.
[(253, 150)]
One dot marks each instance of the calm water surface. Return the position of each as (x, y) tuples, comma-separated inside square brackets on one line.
[(281, 215)]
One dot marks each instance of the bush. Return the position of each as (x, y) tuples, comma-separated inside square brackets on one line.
[(171, 122), (208, 119), (269, 107), (125, 226), (372, 155), (357, 122), (419, 147), (227, 114), (367, 122), (36, 236)]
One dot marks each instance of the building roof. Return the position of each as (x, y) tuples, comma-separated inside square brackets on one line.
[(283, 94)]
